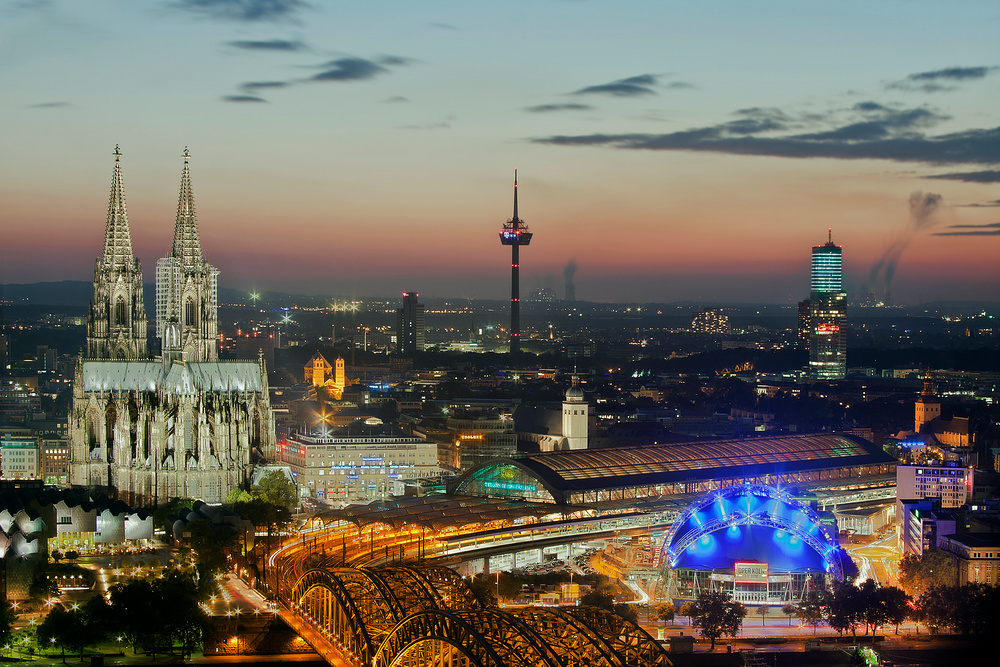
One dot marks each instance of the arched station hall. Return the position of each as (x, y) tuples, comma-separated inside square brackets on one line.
[(831, 464)]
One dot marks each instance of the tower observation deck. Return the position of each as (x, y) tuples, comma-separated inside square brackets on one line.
[(515, 234)]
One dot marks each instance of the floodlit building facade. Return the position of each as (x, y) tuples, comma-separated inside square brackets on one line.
[(358, 463)]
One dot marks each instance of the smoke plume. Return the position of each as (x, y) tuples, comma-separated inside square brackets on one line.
[(923, 209), (568, 272)]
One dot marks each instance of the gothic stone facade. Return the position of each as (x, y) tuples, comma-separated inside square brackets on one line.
[(182, 425)]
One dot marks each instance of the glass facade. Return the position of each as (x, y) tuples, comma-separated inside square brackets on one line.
[(827, 314), (827, 268)]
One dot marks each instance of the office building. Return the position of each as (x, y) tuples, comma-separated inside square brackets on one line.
[(358, 463), (19, 457), (410, 325), (827, 314), (949, 482)]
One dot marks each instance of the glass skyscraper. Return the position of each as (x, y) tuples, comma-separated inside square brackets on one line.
[(827, 314)]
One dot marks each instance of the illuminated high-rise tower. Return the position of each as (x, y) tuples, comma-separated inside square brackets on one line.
[(410, 325), (827, 313), (515, 234), (116, 324)]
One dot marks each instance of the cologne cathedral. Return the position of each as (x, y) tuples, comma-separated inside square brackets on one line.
[(181, 425)]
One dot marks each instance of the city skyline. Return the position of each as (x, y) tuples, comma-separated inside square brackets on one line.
[(666, 153)]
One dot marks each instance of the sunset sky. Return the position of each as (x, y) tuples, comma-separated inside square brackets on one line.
[(670, 151)]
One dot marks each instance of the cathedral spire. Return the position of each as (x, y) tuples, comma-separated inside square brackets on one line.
[(187, 246), (117, 237)]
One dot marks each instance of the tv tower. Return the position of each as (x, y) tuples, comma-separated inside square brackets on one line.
[(515, 234)]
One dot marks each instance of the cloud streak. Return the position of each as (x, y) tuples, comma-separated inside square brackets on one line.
[(244, 10), (987, 176), (349, 69), (633, 86), (546, 108), (268, 45), (988, 229), (867, 131), (242, 98), (941, 80)]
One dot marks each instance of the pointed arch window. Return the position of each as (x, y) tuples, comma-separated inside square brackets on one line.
[(189, 313), (121, 315)]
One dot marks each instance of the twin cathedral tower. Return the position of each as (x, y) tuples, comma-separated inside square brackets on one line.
[(184, 424)]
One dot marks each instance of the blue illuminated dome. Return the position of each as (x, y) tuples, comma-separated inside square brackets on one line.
[(752, 523)]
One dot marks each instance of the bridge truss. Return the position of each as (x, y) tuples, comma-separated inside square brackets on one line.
[(419, 616)]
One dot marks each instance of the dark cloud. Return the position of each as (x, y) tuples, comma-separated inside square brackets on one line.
[(244, 10), (242, 98), (680, 85), (395, 61), (268, 45), (48, 105), (988, 176), (349, 69), (867, 131), (263, 85), (990, 204), (630, 87), (941, 80), (988, 229), (952, 74), (396, 99), (442, 26), (543, 108)]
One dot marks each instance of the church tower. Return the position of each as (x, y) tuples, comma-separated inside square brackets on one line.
[(575, 417), (116, 324), (927, 408), (187, 289)]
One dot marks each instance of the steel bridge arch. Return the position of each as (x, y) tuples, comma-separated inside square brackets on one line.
[(632, 644), (435, 629), (571, 637), (358, 640)]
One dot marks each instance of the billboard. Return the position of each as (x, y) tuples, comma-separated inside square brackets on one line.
[(751, 573)]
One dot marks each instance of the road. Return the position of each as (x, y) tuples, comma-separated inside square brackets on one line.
[(878, 560)]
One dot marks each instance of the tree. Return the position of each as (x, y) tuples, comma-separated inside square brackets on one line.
[(665, 611), (717, 614), (917, 574), (598, 598), (626, 611), (844, 608), (276, 489), (178, 618), (762, 610), (812, 609), (66, 629), (212, 542), (897, 605), (688, 610), (938, 606), (7, 618), (789, 610)]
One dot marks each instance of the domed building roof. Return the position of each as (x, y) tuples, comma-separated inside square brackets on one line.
[(574, 394)]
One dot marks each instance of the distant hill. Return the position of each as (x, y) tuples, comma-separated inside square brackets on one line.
[(77, 294)]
